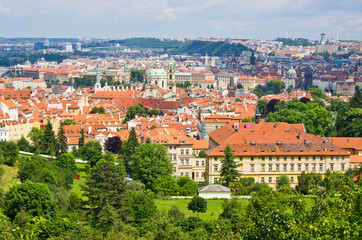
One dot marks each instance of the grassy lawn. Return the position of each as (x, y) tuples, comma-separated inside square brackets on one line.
[(77, 183), (213, 207), (9, 178)]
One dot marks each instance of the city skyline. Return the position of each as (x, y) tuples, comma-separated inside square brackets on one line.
[(161, 18)]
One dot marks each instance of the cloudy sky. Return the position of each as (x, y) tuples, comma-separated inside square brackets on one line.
[(253, 19)]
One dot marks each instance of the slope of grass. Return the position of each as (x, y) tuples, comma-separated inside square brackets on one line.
[(77, 183), (213, 207), (9, 178)]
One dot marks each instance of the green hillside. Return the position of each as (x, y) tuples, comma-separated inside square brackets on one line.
[(212, 48), (148, 43)]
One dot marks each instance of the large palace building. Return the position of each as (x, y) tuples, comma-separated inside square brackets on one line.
[(266, 151)]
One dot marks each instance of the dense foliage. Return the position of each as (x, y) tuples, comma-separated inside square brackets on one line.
[(14, 57), (272, 87)]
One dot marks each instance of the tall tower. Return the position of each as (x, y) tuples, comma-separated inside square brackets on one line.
[(171, 76), (279, 69), (97, 86), (206, 59)]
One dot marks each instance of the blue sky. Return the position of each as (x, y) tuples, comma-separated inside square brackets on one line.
[(253, 19)]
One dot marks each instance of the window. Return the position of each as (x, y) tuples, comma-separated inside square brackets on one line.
[(331, 167), (321, 167), (331, 157), (270, 158), (342, 167), (170, 147), (215, 158), (262, 158), (187, 152), (277, 167), (182, 162), (285, 158), (284, 167), (197, 163), (321, 157), (182, 152), (197, 174), (202, 174), (313, 157), (171, 157), (174, 157), (262, 168), (187, 174), (251, 168), (299, 167), (174, 169), (202, 163), (292, 157), (215, 168), (306, 167), (277, 158), (342, 157), (241, 158), (187, 162), (337, 158), (270, 179), (215, 180), (291, 179), (174, 147), (181, 173), (299, 158), (252, 158), (313, 167), (262, 179), (291, 167), (270, 167), (306, 158), (277, 179)]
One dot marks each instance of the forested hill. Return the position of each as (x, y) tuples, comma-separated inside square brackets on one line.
[(212, 48), (175, 47)]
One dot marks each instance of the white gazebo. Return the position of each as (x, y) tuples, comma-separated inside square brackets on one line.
[(214, 191)]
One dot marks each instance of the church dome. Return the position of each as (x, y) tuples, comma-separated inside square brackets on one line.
[(156, 72), (291, 72)]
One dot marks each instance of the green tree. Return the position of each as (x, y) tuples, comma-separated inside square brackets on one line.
[(67, 161), (97, 110), (135, 110), (175, 213), (230, 208), (262, 105), (9, 151), (349, 122), (240, 86), (91, 152), (81, 139), (165, 186), (228, 172), (153, 112), (187, 187), (356, 100), (49, 141), (308, 181), (36, 135), (150, 161), (197, 204), (68, 122), (283, 182), (129, 148), (105, 185), (62, 141), (23, 144), (34, 198)]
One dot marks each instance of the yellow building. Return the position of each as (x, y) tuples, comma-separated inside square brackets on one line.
[(268, 150)]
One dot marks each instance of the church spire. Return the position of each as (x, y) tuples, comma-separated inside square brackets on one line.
[(97, 86)]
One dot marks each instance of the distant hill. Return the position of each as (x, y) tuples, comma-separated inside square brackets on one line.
[(34, 40), (175, 47), (148, 43), (212, 48)]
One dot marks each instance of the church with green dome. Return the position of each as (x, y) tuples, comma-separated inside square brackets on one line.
[(290, 78), (160, 82)]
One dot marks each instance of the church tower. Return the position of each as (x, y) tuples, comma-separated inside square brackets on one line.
[(206, 59), (97, 86), (171, 76)]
